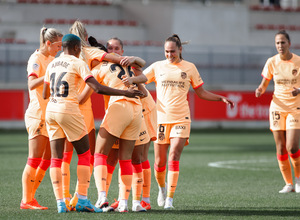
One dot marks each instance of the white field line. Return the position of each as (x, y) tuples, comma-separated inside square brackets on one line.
[(235, 164)]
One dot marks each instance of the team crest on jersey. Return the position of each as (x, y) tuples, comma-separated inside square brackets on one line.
[(36, 66), (161, 136), (294, 72), (183, 75)]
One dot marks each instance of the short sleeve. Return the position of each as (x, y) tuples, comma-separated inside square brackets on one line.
[(34, 67), (149, 72), (268, 70), (84, 70), (196, 79)]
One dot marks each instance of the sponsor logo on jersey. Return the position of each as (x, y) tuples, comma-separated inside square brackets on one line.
[(275, 123), (180, 127), (294, 121), (183, 75), (36, 66), (142, 133)]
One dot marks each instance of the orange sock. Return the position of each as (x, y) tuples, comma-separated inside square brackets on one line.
[(160, 175), (173, 175), (83, 173), (137, 181), (56, 177), (28, 178), (146, 178), (39, 175), (125, 178), (285, 168), (65, 169), (100, 171), (295, 159), (110, 170)]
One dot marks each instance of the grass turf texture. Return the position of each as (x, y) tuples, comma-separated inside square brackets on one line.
[(246, 189)]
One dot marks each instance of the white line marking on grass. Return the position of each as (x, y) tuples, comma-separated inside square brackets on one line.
[(236, 164)]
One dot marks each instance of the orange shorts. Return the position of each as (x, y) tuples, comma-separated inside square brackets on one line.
[(151, 123), (144, 135), (88, 119), (284, 120), (167, 131), (61, 125), (123, 120), (35, 127)]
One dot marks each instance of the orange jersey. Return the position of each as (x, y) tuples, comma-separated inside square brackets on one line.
[(90, 54), (110, 74), (37, 65), (172, 85), (64, 74), (286, 76), (93, 53)]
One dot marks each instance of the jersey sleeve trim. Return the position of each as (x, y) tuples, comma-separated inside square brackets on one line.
[(33, 74), (101, 59), (89, 76), (198, 86), (265, 77)]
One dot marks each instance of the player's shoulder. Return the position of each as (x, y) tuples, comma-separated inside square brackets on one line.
[(296, 57), (35, 56), (188, 63)]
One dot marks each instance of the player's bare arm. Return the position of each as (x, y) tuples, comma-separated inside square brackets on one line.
[(206, 95), (105, 90), (34, 82), (262, 87)]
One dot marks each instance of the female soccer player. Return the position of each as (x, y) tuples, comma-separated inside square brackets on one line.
[(64, 119), (38, 142), (122, 121), (140, 163), (284, 113), (173, 78), (92, 56)]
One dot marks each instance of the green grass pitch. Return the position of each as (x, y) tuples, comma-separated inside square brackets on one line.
[(224, 174)]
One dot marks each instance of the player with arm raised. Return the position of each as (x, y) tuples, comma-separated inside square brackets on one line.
[(64, 119)]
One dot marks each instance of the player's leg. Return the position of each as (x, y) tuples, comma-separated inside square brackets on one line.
[(176, 148), (104, 143), (91, 137), (41, 170), (146, 178), (292, 145), (137, 178), (65, 168), (112, 160), (125, 153), (36, 147), (160, 164), (57, 148), (283, 160), (83, 175)]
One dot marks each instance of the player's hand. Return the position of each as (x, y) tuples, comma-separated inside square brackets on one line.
[(296, 91), (228, 102), (127, 61), (258, 92), (132, 93), (127, 81)]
